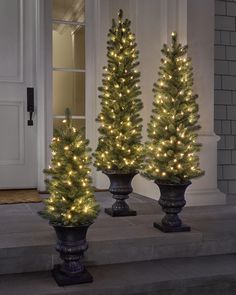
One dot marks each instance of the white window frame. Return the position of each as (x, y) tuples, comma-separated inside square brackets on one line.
[(44, 80)]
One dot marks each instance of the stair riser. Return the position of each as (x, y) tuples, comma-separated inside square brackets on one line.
[(42, 258)]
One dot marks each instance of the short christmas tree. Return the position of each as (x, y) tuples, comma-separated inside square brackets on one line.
[(71, 200), (119, 146), (172, 148)]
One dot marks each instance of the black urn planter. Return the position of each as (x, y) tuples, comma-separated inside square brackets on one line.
[(172, 201), (71, 244), (120, 187)]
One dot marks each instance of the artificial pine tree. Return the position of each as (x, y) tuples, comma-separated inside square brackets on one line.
[(71, 200), (119, 146), (172, 148)]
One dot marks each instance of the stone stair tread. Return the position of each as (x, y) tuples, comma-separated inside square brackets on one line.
[(205, 275), (27, 242)]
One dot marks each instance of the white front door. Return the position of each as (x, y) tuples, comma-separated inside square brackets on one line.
[(17, 65)]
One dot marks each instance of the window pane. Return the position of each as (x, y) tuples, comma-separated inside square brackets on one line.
[(72, 10), (77, 123), (69, 46), (68, 92)]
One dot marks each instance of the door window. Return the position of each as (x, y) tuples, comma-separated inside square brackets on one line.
[(69, 61)]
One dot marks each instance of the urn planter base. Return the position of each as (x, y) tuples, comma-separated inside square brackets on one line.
[(64, 280), (168, 229), (114, 213)]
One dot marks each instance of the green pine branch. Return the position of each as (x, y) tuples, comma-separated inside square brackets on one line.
[(71, 200), (172, 148), (119, 145)]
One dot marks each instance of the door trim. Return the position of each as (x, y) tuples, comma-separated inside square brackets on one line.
[(43, 86)]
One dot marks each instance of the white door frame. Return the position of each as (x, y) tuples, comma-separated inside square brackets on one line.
[(43, 86)]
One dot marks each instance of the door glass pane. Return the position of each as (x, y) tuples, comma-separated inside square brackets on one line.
[(68, 92), (69, 46), (70, 10), (77, 123)]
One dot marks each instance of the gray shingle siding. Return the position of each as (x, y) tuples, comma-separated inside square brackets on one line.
[(225, 93)]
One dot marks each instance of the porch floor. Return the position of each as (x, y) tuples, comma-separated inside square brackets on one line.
[(126, 255)]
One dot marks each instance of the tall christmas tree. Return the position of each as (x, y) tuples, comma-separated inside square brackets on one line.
[(119, 146), (71, 200), (172, 148)]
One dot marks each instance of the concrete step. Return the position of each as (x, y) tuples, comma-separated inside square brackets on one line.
[(113, 240), (215, 275), (27, 242)]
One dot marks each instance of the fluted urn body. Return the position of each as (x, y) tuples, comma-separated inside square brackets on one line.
[(71, 244), (120, 187), (172, 200)]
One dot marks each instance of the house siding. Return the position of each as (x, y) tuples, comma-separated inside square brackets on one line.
[(225, 93)]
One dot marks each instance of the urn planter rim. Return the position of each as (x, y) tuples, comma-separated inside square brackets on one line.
[(172, 184), (120, 172), (70, 226)]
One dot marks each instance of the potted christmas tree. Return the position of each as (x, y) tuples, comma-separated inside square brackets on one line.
[(71, 207), (172, 150), (119, 150)]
